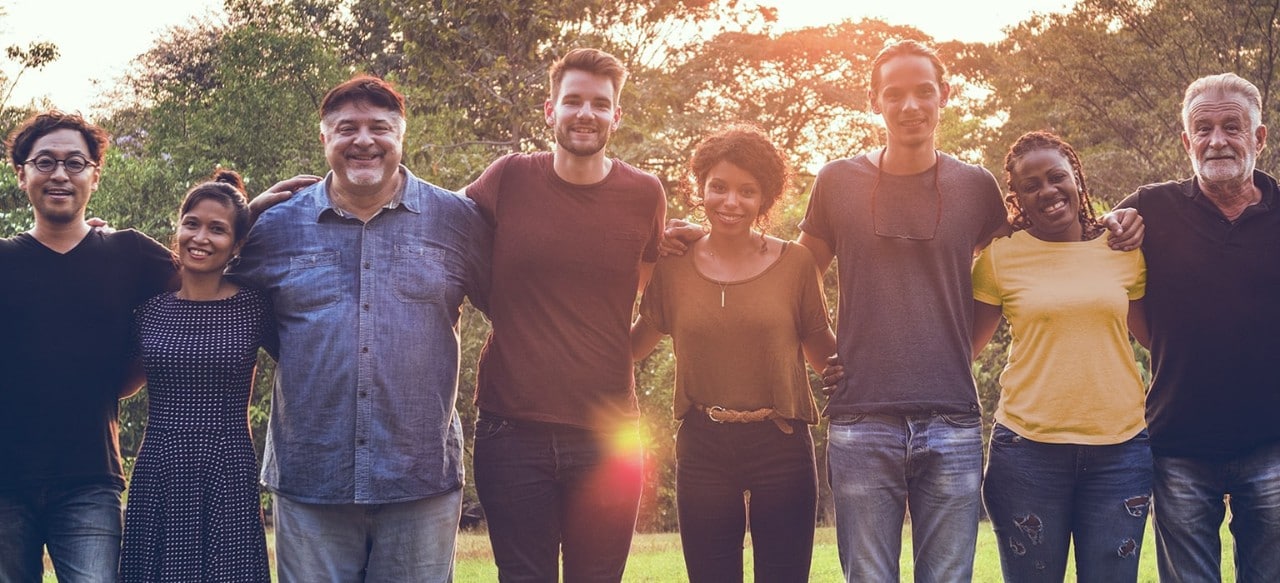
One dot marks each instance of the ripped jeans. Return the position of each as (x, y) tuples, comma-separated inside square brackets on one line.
[(1043, 496)]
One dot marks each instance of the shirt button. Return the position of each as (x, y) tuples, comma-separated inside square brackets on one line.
[(360, 441), (364, 393), (364, 349), (366, 307), (367, 265)]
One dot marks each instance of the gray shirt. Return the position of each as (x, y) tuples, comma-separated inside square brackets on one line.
[(906, 310), (363, 406)]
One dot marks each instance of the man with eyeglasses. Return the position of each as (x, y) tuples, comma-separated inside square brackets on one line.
[(68, 297)]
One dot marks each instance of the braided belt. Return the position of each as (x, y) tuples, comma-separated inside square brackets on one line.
[(720, 414)]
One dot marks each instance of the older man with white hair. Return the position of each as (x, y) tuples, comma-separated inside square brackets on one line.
[(1213, 279)]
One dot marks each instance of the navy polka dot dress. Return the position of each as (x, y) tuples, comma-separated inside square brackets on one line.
[(193, 512)]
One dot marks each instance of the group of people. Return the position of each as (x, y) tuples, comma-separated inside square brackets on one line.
[(354, 283)]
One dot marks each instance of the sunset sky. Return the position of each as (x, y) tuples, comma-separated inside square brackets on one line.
[(104, 36)]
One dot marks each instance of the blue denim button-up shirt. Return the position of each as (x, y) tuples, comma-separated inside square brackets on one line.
[(363, 406)]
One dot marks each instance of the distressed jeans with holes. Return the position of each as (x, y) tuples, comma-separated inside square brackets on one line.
[(1189, 510), (1041, 497), (879, 466)]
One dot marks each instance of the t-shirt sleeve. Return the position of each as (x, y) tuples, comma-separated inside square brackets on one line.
[(985, 287), (650, 253), (1130, 202), (997, 216), (484, 191), (815, 221), (813, 304), (1139, 287), (156, 268), (653, 307), (479, 251)]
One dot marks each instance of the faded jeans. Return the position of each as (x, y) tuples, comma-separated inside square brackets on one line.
[(1189, 509), (1042, 497), (81, 526), (339, 543), (882, 465)]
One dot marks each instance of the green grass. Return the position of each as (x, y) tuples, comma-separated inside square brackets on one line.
[(656, 558)]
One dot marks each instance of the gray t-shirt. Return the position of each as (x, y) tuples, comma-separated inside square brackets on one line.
[(906, 307)]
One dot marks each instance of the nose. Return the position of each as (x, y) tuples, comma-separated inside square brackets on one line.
[(583, 111), (60, 173), (364, 137), (1217, 138)]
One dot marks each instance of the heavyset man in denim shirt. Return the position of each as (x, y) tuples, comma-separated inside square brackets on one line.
[(367, 271)]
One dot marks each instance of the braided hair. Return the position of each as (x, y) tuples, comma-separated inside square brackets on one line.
[(1039, 140)]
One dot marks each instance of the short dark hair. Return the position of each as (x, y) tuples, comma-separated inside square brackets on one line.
[(749, 148), (24, 137), (904, 48), (226, 188), (594, 61), (366, 88)]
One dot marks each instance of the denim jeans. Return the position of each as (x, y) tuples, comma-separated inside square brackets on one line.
[(549, 488), (881, 465), (401, 541), (1042, 497), (1189, 509), (715, 465), (80, 525)]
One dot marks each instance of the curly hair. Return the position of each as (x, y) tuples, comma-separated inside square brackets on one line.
[(1040, 140), (24, 137), (747, 147)]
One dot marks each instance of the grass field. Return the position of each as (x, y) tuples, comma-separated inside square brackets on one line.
[(656, 558)]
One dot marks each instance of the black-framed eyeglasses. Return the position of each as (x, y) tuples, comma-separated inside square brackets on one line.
[(888, 232), (46, 164)]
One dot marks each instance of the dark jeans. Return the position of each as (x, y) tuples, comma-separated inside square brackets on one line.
[(715, 465), (549, 488), (1043, 496), (1189, 510), (81, 526)]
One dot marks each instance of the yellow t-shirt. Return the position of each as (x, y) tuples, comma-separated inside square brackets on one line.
[(1071, 376)]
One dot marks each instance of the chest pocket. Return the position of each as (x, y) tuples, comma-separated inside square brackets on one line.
[(314, 282), (419, 274)]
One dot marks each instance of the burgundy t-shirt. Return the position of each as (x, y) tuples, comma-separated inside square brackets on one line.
[(566, 265)]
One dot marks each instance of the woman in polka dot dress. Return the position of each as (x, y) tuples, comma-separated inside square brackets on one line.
[(193, 512)]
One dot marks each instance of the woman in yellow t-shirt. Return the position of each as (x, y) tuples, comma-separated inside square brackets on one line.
[(744, 311), (1069, 457)]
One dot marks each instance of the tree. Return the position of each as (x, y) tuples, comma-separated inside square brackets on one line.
[(1109, 77)]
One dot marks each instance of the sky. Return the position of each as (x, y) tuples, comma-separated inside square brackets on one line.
[(99, 39)]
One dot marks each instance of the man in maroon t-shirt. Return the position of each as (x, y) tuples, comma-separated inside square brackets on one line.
[(557, 462)]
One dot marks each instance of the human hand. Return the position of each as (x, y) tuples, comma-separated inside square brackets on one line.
[(101, 224), (1125, 227), (832, 375), (280, 192), (678, 235)]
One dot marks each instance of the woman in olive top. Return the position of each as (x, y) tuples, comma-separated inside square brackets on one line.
[(744, 311), (1069, 459)]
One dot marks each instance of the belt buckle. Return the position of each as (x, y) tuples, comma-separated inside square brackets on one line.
[(711, 411)]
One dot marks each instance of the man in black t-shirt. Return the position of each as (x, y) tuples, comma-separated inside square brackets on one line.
[(67, 298), (1213, 280)]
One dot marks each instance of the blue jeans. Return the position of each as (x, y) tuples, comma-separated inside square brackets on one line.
[(549, 488), (81, 525), (1189, 509), (881, 465), (1043, 496), (402, 541), (716, 464)]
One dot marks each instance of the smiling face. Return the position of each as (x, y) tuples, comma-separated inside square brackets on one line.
[(59, 197), (1221, 139), (909, 98), (363, 145), (732, 198), (583, 113), (1048, 194), (207, 237)]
